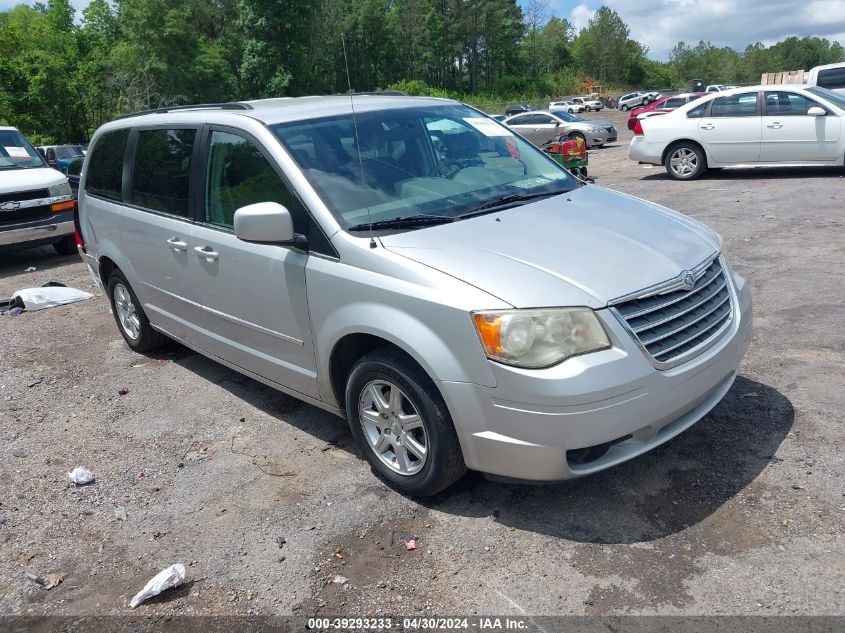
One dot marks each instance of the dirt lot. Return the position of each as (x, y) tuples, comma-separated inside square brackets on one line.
[(742, 514)]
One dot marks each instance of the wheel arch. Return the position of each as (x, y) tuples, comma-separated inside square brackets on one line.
[(456, 357), (680, 141)]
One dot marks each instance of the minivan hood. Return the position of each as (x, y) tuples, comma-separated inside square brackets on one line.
[(586, 247), (13, 180)]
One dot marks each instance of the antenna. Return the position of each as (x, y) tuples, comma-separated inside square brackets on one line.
[(357, 140)]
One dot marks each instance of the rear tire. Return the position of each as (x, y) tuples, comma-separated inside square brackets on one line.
[(588, 108), (402, 425), (131, 320), (685, 161), (624, 108), (66, 245)]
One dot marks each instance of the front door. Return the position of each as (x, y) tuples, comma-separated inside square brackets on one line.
[(731, 133), (249, 300), (791, 135)]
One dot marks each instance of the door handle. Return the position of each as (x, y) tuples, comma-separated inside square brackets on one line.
[(177, 245), (206, 251), (774, 125), (707, 126)]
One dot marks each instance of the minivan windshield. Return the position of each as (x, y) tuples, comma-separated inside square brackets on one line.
[(16, 152), (421, 165)]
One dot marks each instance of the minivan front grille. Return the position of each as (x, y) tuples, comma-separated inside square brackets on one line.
[(671, 325)]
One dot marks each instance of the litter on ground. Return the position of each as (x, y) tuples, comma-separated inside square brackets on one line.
[(165, 579), (81, 476), (410, 541)]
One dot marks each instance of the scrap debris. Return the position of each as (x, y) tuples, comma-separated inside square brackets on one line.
[(165, 579), (410, 541), (81, 476), (46, 582)]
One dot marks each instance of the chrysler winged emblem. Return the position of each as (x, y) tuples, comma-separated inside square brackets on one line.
[(688, 280)]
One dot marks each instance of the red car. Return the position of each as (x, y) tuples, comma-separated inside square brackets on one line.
[(664, 105)]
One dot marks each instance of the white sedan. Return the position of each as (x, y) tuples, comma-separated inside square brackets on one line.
[(569, 106), (761, 126)]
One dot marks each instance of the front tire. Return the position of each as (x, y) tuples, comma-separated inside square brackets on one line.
[(685, 161), (402, 425), (131, 320)]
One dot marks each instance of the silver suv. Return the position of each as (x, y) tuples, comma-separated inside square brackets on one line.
[(416, 267)]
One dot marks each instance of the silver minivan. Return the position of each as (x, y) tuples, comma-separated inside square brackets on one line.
[(416, 267)]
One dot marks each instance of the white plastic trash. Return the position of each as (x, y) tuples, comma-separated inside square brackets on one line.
[(81, 476), (173, 576), (49, 296)]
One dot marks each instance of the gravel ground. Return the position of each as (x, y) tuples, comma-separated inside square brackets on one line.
[(742, 514)]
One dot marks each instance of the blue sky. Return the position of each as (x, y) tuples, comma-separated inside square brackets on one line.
[(660, 24)]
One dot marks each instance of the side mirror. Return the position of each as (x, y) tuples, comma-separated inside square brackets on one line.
[(816, 111), (266, 222), (557, 123)]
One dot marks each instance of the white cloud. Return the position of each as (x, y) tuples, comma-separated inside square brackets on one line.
[(660, 24), (581, 15)]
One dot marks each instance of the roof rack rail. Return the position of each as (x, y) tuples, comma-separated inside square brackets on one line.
[(379, 93), (234, 105)]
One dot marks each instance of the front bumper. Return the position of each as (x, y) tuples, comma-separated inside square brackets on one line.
[(522, 428), (38, 232)]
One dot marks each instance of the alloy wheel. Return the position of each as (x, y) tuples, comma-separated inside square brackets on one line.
[(126, 313), (393, 427), (683, 162)]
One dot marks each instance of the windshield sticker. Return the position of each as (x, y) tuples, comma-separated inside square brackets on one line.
[(17, 152), (488, 127), (530, 183)]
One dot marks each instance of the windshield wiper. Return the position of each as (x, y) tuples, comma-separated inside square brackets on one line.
[(403, 223), (496, 205)]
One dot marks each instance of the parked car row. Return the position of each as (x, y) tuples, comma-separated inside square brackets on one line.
[(771, 125)]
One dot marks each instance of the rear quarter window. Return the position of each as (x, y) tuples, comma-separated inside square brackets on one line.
[(105, 167), (161, 177)]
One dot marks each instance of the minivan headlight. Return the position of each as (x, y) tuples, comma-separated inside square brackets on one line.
[(539, 338)]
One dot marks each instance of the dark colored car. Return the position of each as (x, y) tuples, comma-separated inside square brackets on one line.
[(517, 108), (664, 105)]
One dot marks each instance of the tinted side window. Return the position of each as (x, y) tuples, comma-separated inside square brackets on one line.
[(105, 167), (674, 102), (160, 181), (831, 78), (744, 104), (543, 119), (697, 112), (520, 120), (787, 104), (238, 175)]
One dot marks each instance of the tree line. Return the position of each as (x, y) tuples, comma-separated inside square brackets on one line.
[(63, 75)]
